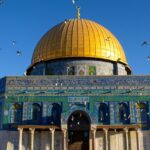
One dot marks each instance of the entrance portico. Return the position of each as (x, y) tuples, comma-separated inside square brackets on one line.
[(77, 138), (78, 130)]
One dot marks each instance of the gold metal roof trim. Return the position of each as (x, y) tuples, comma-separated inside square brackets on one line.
[(78, 38)]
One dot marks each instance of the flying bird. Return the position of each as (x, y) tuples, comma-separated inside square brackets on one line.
[(148, 57), (108, 38), (66, 20), (74, 1), (145, 43), (19, 53), (13, 43)]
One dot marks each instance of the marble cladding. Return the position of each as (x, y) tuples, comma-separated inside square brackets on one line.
[(121, 69)]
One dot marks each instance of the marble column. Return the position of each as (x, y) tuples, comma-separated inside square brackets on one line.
[(32, 130), (126, 130), (20, 137), (93, 130), (138, 138), (52, 132), (64, 139), (116, 136), (106, 138)]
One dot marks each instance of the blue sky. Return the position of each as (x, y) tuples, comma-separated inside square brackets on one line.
[(25, 21)]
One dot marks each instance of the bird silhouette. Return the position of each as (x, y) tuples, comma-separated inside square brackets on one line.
[(145, 43), (74, 1), (13, 42), (108, 38), (19, 53)]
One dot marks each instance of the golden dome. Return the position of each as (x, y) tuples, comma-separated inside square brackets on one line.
[(78, 38)]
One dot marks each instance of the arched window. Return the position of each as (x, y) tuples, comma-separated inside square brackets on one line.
[(142, 110), (36, 113), (16, 113), (123, 113), (103, 113), (70, 70), (56, 113)]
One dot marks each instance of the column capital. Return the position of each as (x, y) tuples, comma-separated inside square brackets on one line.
[(64, 130), (93, 131), (32, 130), (52, 130), (20, 129), (126, 129), (93, 128), (105, 130), (138, 130)]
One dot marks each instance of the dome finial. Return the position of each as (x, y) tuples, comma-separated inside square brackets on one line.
[(77, 8), (78, 12)]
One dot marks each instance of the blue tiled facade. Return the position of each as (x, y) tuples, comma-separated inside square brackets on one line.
[(50, 100)]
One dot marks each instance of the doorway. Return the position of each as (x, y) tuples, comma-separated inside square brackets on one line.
[(78, 131)]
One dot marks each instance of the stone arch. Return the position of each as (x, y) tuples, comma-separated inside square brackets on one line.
[(79, 120), (78, 130)]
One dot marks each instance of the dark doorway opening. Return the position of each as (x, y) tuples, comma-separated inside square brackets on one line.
[(78, 131)]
